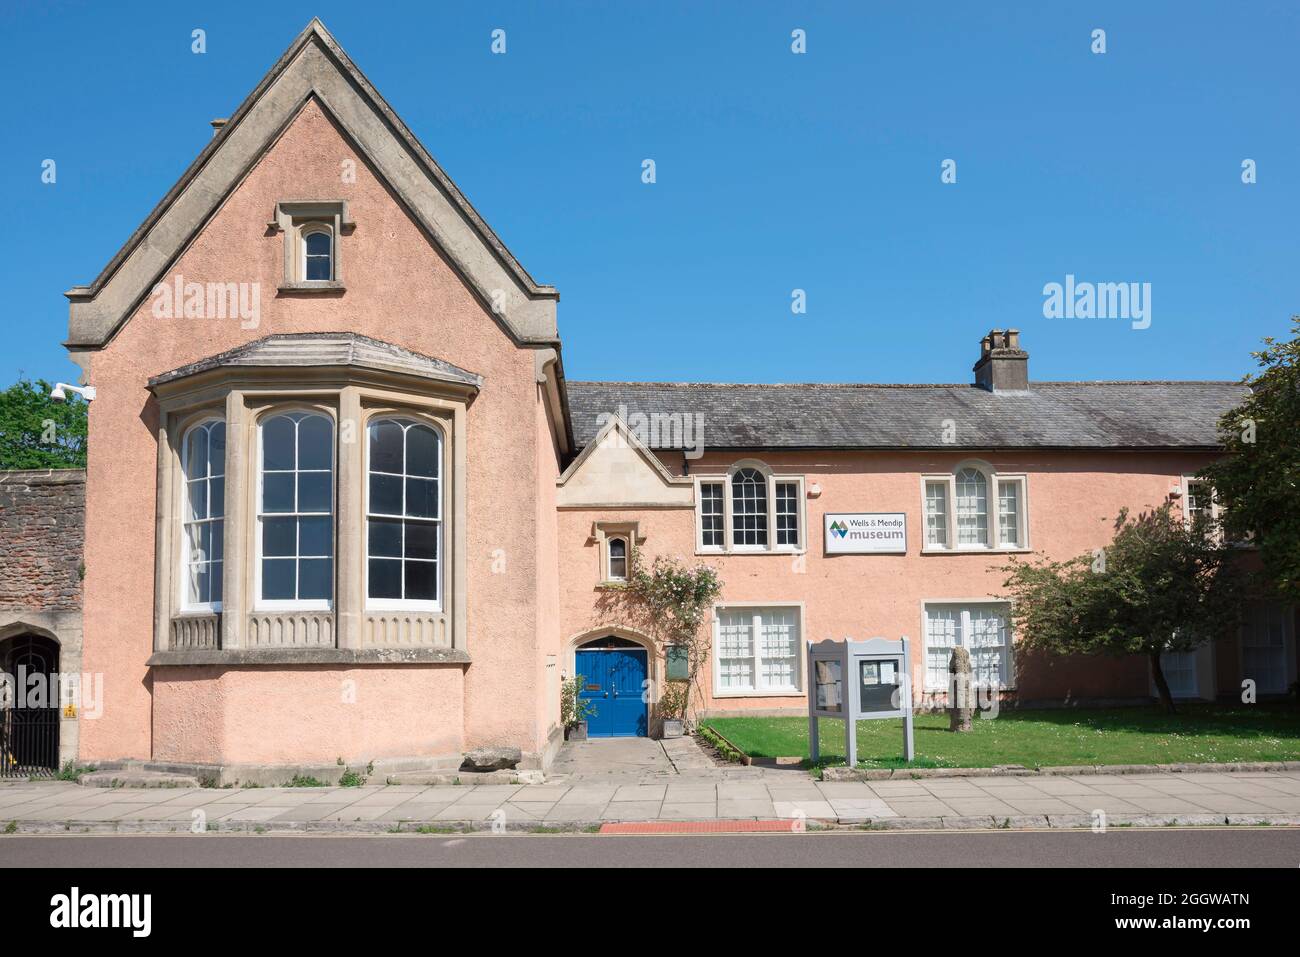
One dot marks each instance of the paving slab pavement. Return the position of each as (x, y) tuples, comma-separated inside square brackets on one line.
[(643, 780)]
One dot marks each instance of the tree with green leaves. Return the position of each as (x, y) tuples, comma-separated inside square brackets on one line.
[(1257, 484), (1162, 585), (38, 433)]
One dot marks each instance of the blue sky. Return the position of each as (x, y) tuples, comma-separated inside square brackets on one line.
[(775, 171)]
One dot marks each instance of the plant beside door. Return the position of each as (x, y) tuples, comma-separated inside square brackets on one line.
[(672, 708), (574, 709)]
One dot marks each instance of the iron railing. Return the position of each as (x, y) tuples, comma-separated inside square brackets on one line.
[(29, 742)]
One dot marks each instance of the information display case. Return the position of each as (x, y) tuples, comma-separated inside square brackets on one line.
[(859, 681)]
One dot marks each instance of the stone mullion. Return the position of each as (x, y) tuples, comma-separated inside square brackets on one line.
[(237, 550), (349, 602)]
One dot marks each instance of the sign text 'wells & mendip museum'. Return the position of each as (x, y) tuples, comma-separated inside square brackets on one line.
[(858, 533)]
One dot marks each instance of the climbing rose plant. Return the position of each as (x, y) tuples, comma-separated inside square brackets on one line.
[(675, 599)]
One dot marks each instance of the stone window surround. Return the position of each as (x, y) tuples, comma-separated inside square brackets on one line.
[(348, 631), (291, 219), (602, 532), (728, 546)]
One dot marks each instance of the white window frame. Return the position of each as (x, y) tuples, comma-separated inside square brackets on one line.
[(1179, 692), (312, 228), (285, 604), (609, 558), (699, 515), (186, 606), (993, 485), (295, 220), (756, 608), (963, 606), (1216, 511), (1287, 613), (403, 604), (602, 533), (773, 479)]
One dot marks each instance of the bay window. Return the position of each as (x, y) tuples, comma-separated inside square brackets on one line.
[(757, 650), (303, 513), (974, 509), (295, 530), (403, 514), (204, 467)]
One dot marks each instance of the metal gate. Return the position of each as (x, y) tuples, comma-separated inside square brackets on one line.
[(29, 736), (29, 742)]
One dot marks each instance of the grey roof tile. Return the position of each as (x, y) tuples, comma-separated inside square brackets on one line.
[(1066, 415)]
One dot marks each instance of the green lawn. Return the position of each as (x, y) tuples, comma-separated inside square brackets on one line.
[(1199, 733)]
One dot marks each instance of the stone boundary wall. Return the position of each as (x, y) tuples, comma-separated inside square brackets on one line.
[(42, 532)]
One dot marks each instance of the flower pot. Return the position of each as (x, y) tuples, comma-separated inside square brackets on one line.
[(673, 728), (576, 732)]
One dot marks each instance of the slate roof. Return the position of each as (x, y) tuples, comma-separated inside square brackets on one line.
[(326, 349), (1051, 415)]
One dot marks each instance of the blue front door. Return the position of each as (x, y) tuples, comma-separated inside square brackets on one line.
[(613, 681)]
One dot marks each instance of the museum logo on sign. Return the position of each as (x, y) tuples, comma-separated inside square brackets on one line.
[(865, 533)]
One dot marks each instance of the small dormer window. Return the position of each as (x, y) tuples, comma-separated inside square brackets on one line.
[(317, 253)]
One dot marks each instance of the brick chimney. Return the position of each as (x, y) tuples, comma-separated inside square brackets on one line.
[(1003, 365)]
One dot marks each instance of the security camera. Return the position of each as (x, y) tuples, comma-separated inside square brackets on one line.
[(60, 392)]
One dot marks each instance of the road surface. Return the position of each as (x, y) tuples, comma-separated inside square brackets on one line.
[(1119, 847)]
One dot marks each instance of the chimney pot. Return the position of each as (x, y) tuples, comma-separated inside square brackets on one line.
[(217, 124), (1003, 366)]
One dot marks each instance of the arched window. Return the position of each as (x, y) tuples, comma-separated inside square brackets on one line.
[(403, 514), (749, 508), (296, 510), (203, 460), (618, 559), (317, 253), (974, 507)]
